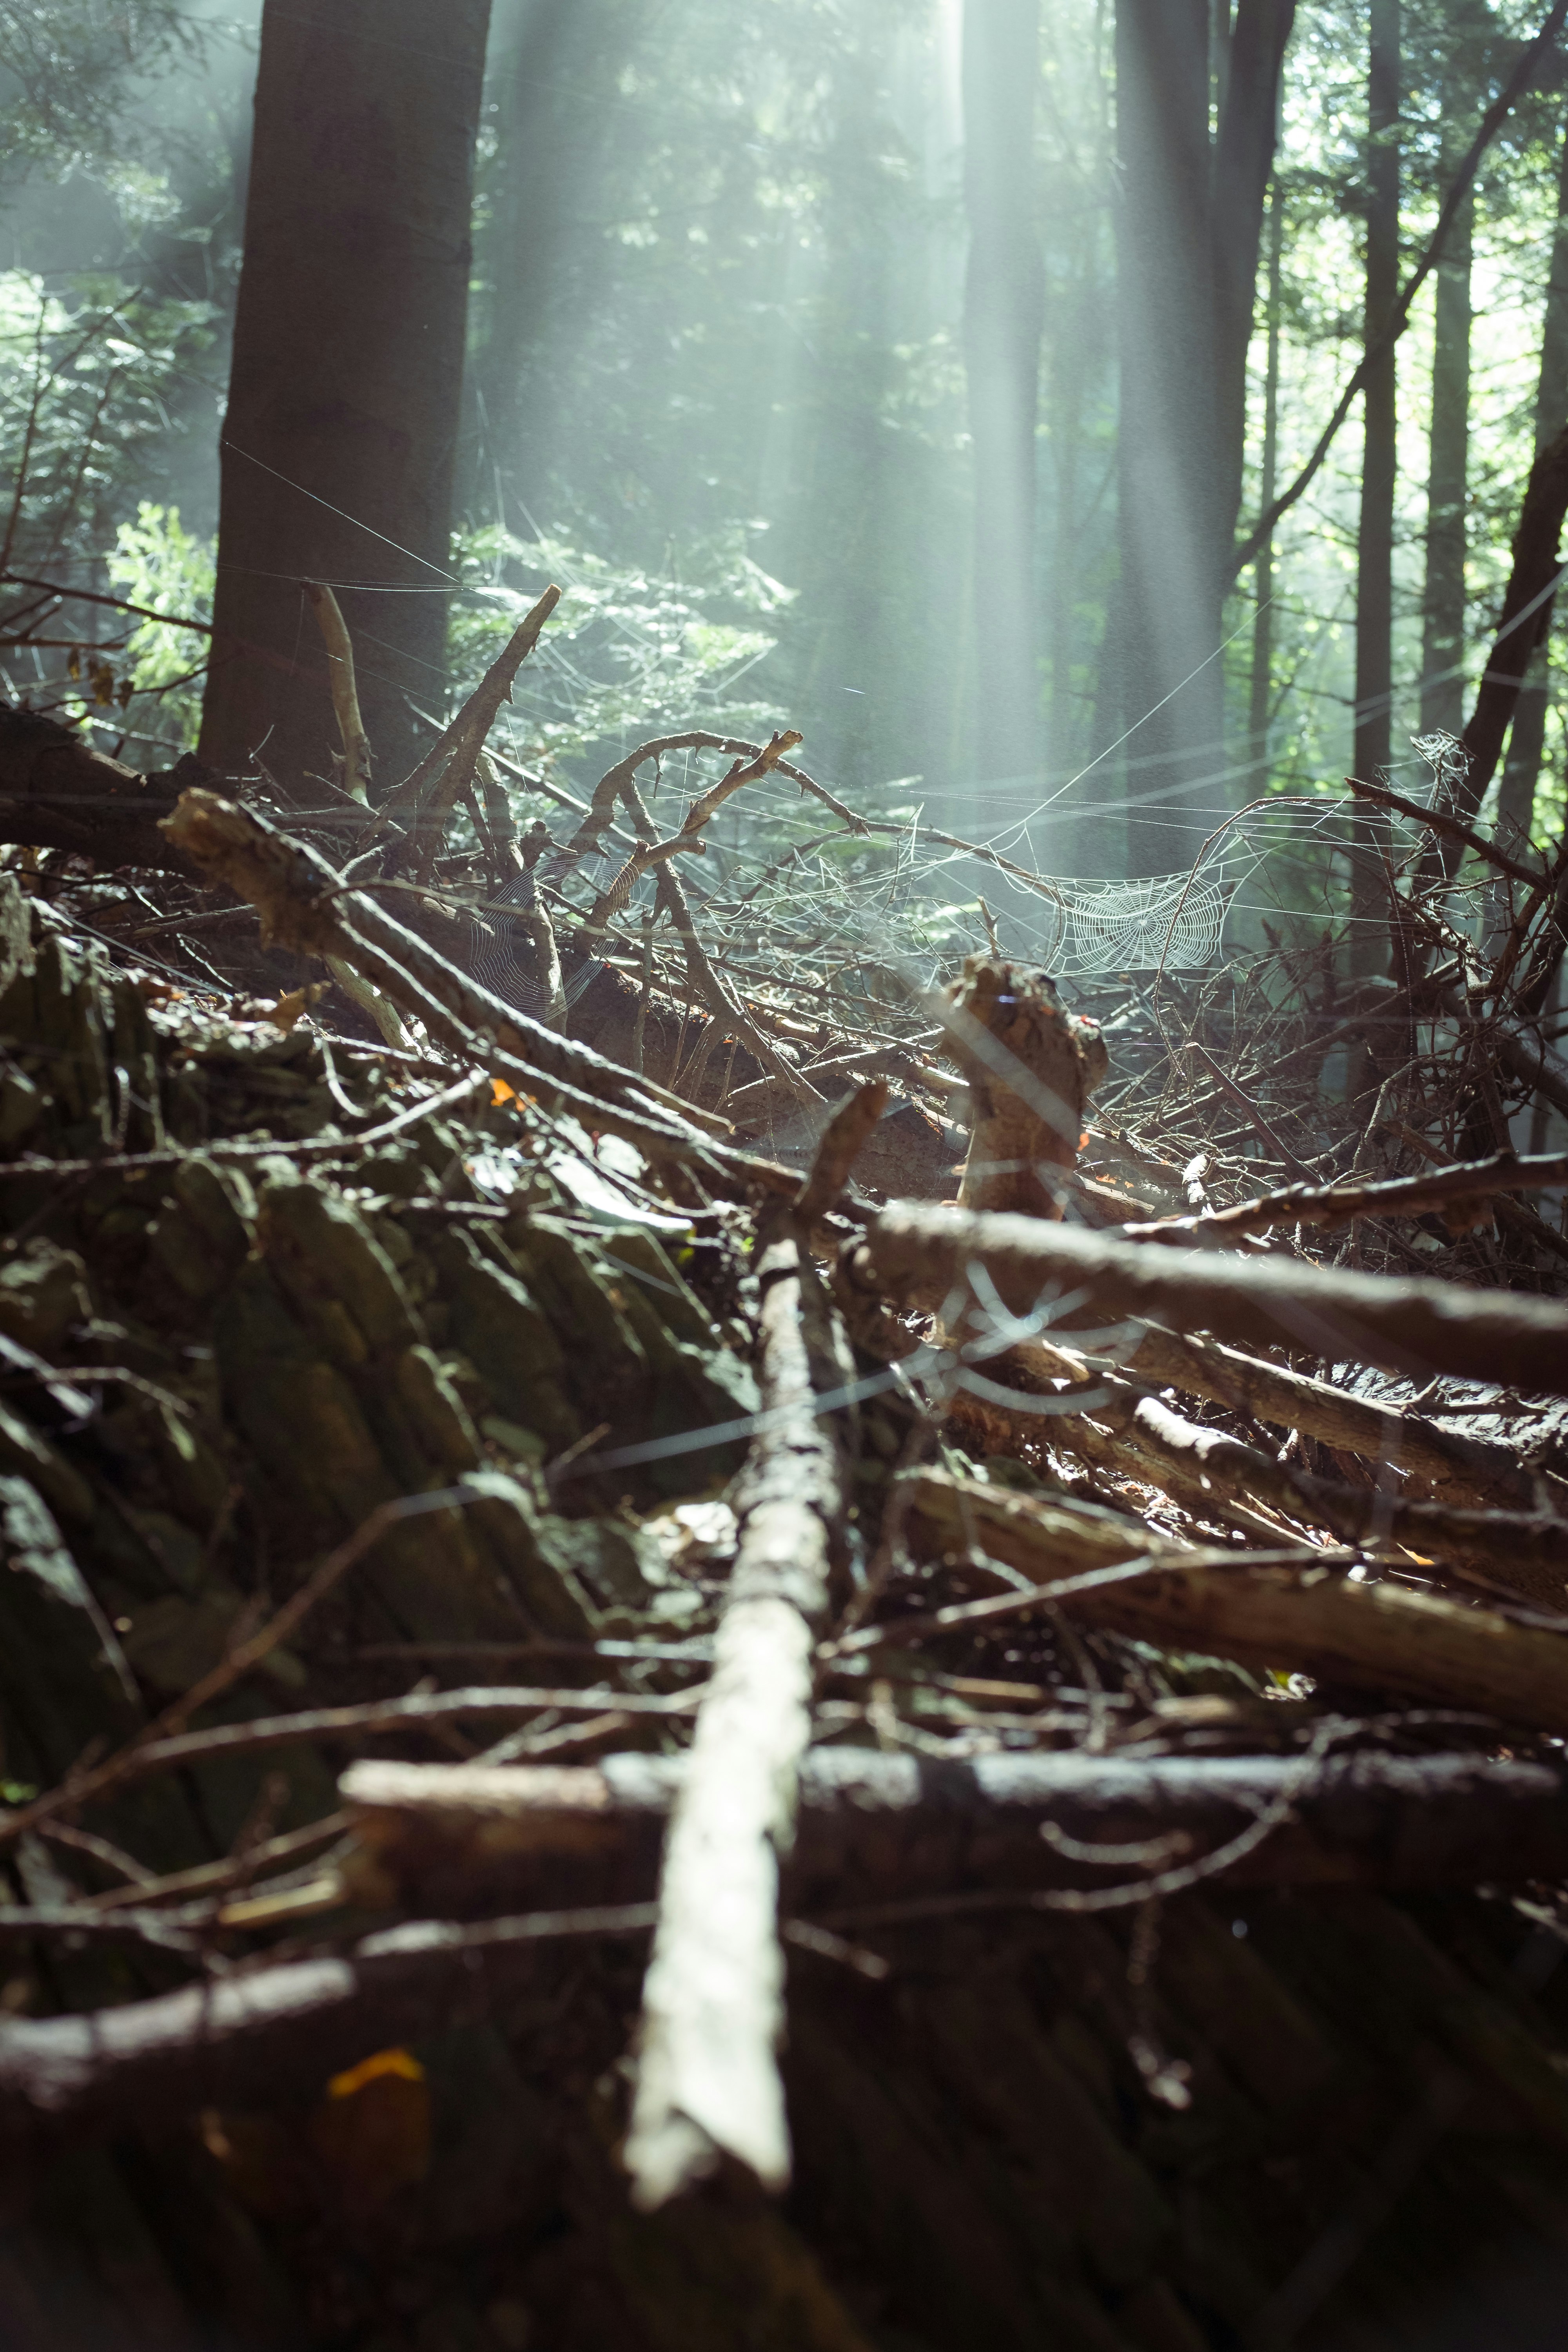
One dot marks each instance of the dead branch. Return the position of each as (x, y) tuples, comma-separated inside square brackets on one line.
[(1405, 1326), (250, 2040), (357, 760), (708, 2083), (1206, 1470), (872, 1823), (450, 761), (304, 905), (1339, 1204), (842, 1141), (1377, 1637), (1030, 1067), (1438, 821)]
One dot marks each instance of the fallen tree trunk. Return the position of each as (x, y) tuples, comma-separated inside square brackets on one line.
[(708, 2084), (1470, 1473), (58, 792), (1413, 1327), (873, 1825), (1207, 1470), (1370, 1637)]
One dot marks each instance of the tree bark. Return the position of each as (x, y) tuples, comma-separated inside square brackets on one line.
[(1443, 631), (1528, 596), (1262, 679), (1374, 540), (339, 439), (1003, 310), (1169, 593), (1189, 228), (1243, 162), (1526, 738), (1406, 1325)]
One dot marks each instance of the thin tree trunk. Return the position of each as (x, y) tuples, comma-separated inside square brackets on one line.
[(557, 84), (1374, 543), (1526, 738), (1003, 300), (339, 443), (1169, 597), (1248, 115), (1263, 622), (1443, 631)]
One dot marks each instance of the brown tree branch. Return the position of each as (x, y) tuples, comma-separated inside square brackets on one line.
[(1405, 1326)]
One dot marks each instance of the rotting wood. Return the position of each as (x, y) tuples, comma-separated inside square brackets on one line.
[(1416, 1326), (1377, 1637), (1030, 1066)]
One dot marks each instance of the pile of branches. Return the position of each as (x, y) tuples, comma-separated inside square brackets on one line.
[(465, 1502)]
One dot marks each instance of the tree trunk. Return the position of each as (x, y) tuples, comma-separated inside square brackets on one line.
[(557, 82), (1004, 298), (1169, 600), (1249, 111), (1374, 543), (339, 439), (1526, 738), (1188, 229), (1263, 622), (1443, 631)]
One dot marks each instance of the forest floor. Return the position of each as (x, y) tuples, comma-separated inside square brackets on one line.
[(656, 1696)]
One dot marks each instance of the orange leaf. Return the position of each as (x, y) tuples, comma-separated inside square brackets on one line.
[(501, 1093), (384, 2061)]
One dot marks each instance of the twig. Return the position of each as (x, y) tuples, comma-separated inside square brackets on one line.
[(1438, 821), (1337, 1205), (338, 1147)]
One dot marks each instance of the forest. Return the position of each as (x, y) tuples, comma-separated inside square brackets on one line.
[(783, 1176)]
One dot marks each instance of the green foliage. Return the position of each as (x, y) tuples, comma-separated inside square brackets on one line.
[(63, 66), (157, 561), (627, 654)]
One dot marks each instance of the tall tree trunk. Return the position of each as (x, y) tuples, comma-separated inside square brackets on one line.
[(1004, 299), (1243, 161), (344, 397), (1189, 226), (1526, 738), (1263, 621), (557, 81), (1447, 479), (1169, 595), (1374, 540)]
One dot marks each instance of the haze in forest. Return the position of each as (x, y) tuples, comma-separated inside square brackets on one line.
[(906, 372)]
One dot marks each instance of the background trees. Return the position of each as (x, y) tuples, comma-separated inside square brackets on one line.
[(910, 369)]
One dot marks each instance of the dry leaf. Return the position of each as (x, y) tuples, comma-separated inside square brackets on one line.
[(287, 1009)]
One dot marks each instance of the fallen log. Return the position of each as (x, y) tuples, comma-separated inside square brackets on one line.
[(1469, 1473), (873, 1825), (708, 2085), (58, 792), (1369, 1637), (1207, 1470), (1410, 1325)]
